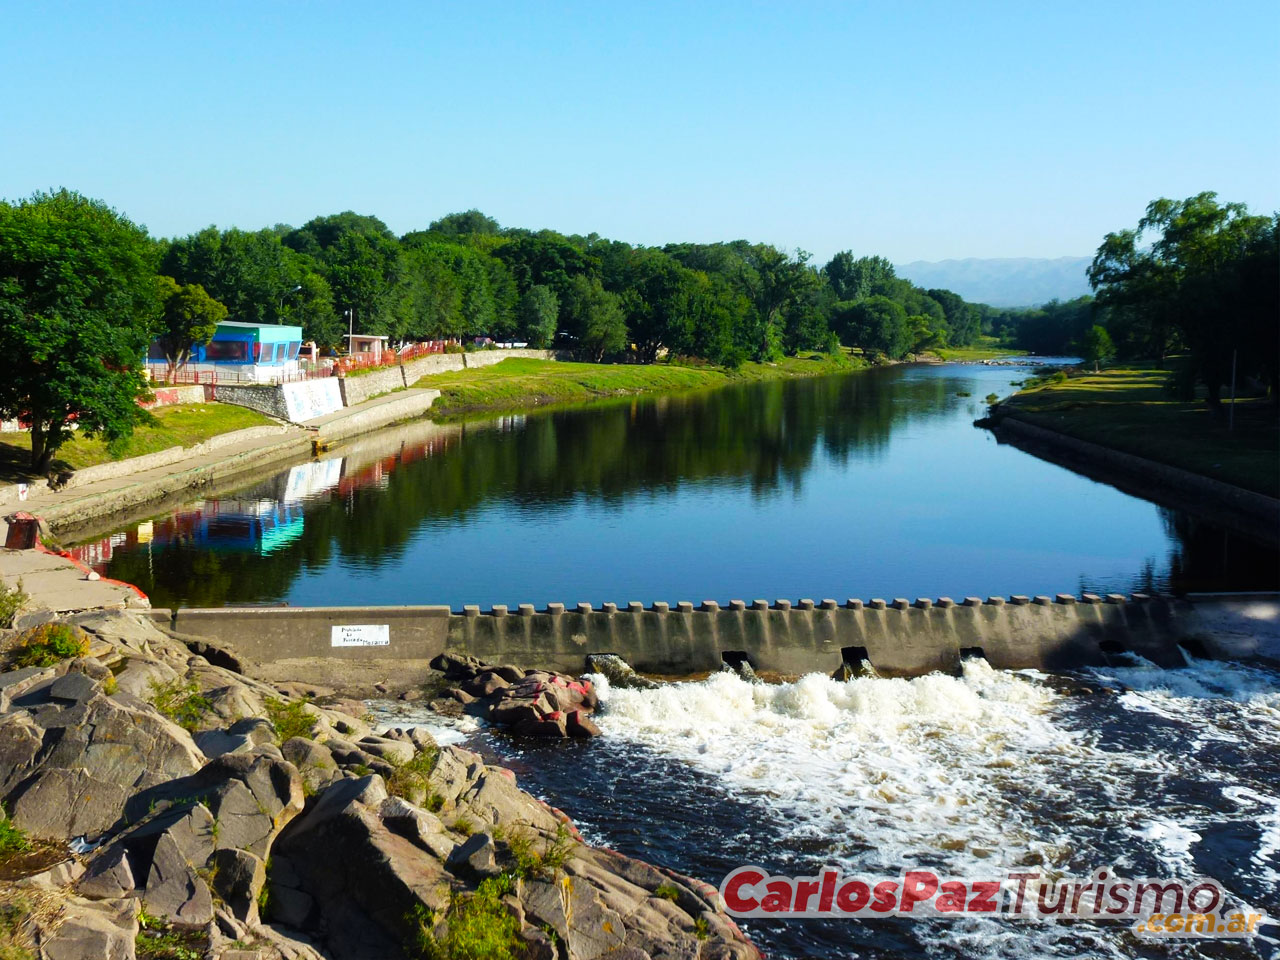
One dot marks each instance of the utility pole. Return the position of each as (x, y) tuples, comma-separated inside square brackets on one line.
[(280, 306)]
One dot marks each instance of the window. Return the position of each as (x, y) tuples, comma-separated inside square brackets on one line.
[(228, 351), (293, 350)]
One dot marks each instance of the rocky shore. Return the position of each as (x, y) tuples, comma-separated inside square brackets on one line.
[(163, 803)]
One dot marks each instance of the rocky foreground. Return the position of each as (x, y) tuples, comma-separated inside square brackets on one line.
[(162, 803)]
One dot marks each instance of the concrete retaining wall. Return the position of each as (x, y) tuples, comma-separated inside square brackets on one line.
[(899, 638), (163, 396), (1245, 511), (296, 402)]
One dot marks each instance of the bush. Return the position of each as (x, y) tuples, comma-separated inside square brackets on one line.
[(479, 927), (454, 348), (180, 701), (528, 863), (13, 839), (290, 719), (48, 644), (409, 779), (11, 601)]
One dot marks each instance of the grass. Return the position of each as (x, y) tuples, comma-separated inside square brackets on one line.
[(409, 778), (528, 862), (180, 701), (519, 383), (182, 425), (156, 940), (47, 645), (1133, 409), (478, 926), (13, 839), (290, 720), (11, 601), (987, 348)]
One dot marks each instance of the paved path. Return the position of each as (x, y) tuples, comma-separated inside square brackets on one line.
[(55, 583)]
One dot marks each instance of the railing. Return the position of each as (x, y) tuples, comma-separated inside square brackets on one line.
[(305, 370)]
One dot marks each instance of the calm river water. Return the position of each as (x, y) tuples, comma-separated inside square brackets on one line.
[(872, 484)]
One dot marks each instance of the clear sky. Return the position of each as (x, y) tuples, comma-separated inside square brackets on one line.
[(908, 129)]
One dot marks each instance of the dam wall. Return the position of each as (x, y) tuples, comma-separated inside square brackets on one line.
[(361, 646)]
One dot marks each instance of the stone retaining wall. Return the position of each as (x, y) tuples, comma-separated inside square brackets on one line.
[(899, 638)]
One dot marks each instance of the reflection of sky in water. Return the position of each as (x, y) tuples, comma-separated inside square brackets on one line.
[(906, 499)]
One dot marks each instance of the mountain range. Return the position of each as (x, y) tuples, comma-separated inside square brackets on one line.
[(1003, 282)]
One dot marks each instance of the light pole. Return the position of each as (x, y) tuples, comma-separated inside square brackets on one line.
[(280, 306), (351, 325)]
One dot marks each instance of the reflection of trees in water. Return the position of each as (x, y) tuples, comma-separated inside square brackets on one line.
[(1208, 557), (764, 434)]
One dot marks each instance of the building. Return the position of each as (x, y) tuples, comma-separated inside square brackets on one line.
[(250, 352), (367, 344)]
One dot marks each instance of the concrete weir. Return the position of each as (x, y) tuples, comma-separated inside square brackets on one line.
[(391, 645)]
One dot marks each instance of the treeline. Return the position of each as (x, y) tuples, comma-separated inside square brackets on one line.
[(1196, 278), (467, 276)]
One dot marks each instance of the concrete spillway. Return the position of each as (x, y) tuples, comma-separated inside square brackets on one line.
[(355, 646)]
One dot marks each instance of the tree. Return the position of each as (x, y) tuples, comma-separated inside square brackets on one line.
[(595, 319), (537, 315), (1097, 347), (189, 317), (465, 223), (877, 324), (852, 279), (78, 305), (1198, 272)]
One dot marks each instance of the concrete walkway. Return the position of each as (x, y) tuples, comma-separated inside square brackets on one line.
[(250, 458), (55, 583)]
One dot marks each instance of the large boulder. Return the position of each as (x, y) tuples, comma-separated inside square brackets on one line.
[(68, 766)]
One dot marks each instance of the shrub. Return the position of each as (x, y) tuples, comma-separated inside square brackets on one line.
[(180, 701), (528, 863), (13, 839), (667, 892), (478, 926), (290, 719), (48, 644), (463, 826), (409, 778), (11, 601)]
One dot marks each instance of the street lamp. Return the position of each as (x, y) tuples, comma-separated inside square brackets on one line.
[(280, 306)]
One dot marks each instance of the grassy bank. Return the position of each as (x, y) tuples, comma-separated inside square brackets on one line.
[(986, 348), (520, 383), (182, 425), (1129, 409)]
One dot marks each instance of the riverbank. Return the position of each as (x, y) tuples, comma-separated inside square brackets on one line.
[(118, 487), (517, 384), (182, 425), (1129, 409), (987, 348), (1121, 427), (194, 810)]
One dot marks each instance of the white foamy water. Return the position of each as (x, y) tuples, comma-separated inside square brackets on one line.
[(988, 771), (894, 771)]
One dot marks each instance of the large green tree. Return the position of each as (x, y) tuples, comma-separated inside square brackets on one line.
[(189, 317), (78, 305)]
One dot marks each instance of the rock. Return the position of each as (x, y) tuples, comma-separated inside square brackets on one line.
[(141, 675), (60, 874), (383, 877), (218, 655), (455, 667), (315, 762), (417, 825), (256, 729), (62, 804), (580, 726), (618, 672), (15, 683), (73, 687), (229, 702), (174, 891), (294, 690), (108, 876), (509, 673), (551, 725), (214, 743), (475, 859), (90, 666), (104, 931), (239, 877), (395, 751)]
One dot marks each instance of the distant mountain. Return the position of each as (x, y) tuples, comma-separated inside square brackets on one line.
[(1008, 282)]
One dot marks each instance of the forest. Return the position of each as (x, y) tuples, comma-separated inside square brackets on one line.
[(466, 276)]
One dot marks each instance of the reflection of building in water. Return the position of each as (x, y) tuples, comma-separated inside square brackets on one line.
[(268, 516)]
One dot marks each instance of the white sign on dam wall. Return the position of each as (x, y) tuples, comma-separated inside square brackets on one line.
[(360, 635)]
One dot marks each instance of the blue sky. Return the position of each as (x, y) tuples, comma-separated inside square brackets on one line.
[(913, 130)]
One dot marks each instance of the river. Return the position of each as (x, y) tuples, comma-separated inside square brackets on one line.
[(871, 484)]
